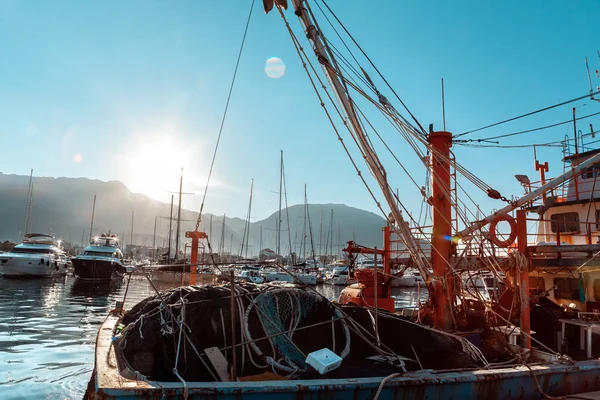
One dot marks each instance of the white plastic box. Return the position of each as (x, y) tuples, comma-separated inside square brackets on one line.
[(323, 360)]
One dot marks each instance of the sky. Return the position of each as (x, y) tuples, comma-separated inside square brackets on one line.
[(134, 91)]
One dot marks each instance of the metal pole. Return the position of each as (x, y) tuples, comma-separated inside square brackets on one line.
[(233, 338), (523, 276), (375, 270)]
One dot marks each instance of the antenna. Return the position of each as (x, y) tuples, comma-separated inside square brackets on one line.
[(587, 66), (444, 103)]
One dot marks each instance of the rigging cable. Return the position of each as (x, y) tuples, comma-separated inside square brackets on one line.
[(527, 115), (423, 132), (525, 131), (212, 164)]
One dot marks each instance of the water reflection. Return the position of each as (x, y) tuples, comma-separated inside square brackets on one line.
[(48, 328)]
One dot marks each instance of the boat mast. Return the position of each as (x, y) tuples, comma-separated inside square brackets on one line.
[(278, 227), (131, 232), (154, 239), (261, 244), (303, 244), (310, 232), (92, 222), (335, 77), (247, 224), (321, 236), (178, 216), (28, 202), (287, 211), (170, 231), (222, 244)]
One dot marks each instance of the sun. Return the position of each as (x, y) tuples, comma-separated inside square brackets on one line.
[(153, 165)]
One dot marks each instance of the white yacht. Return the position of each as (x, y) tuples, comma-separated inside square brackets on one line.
[(38, 256)]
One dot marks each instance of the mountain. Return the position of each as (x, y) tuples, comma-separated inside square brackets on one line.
[(63, 207)]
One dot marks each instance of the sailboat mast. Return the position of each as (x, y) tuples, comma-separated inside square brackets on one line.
[(287, 210), (28, 202), (247, 224), (331, 233), (261, 244), (303, 244), (278, 228), (321, 235), (249, 216), (131, 228), (154, 239), (222, 243), (310, 232), (92, 222), (170, 231), (178, 216)]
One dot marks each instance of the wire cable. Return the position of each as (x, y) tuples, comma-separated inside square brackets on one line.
[(525, 131), (528, 114)]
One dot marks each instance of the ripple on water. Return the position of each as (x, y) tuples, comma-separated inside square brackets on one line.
[(48, 330)]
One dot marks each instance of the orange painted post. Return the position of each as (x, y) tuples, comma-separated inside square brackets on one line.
[(523, 277), (442, 227), (543, 168), (195, 236)]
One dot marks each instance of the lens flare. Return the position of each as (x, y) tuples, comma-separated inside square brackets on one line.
[(274, 68)]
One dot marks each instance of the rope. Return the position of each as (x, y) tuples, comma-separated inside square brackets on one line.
[(383, 382), (224, 116)]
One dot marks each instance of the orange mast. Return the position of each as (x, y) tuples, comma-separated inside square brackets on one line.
[(442, 228)]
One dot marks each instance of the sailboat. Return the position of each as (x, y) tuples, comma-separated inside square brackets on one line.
[(288, 342)]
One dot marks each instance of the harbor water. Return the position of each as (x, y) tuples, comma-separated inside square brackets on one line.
[(48, 329)]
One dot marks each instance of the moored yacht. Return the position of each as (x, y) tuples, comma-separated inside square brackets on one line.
[(38, 256), (102, 260)]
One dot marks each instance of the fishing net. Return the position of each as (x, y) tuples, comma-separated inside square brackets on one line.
[(281, 312)]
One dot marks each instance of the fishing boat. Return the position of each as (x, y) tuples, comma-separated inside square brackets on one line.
[(283, 341), (38, 256), (102, 260)]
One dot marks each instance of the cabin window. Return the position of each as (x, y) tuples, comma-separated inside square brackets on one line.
[(591, 172), (565, 222), (537, 285), (598, 220), (566, 288)]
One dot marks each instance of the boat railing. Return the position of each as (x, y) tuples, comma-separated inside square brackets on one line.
[(557, 237)]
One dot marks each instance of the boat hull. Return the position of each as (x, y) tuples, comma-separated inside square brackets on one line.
[(32, 267), (95, 269), (555, 379)]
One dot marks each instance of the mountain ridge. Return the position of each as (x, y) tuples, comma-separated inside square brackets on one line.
[(62, 206)]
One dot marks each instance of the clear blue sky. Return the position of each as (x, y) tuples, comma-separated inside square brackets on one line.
[(135, 90)]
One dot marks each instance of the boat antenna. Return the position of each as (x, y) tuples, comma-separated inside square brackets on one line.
[(587, 66), (444, 105)]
